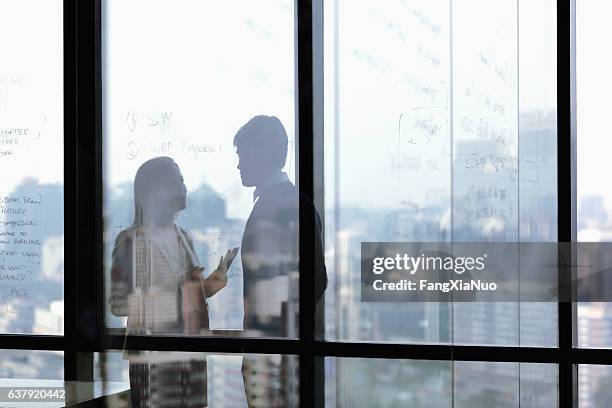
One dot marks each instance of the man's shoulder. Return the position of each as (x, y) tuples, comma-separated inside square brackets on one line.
[(286, 194), (281, 195), (286, 187)]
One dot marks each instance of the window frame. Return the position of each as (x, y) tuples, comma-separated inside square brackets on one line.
[(85, 333)]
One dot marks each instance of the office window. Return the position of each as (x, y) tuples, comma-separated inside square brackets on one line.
[(445, 133), (479, 384), (592, 83), (431, 121), (217, 379), (19, 365), (438, 384), (594, 386), (365, 382), (594, 195), (31, 168), (181, 86)]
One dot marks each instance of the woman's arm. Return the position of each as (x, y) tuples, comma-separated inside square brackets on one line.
[(121, 275), (217, 280)]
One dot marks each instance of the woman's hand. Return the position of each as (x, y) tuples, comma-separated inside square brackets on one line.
[(195, 274), (217, 280)]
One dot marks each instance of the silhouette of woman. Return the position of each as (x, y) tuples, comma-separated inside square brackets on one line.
[(157, 283)]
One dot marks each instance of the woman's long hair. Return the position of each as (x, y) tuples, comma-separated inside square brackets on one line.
[(144, 183)]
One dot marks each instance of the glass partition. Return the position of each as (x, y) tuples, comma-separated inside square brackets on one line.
[(31, 168), (438, 384), (440, 126), (594, 195), (198, 110), (215, 380)]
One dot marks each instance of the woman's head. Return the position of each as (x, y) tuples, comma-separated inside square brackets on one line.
[(159, 191)]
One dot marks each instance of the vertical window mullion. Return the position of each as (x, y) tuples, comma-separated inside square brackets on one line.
[(566, 193), (83, 174), (70, 359), (306, 187)]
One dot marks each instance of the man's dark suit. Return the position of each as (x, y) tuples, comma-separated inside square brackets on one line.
[(270, 249)]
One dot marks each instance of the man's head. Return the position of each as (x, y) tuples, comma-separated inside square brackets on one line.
[(261, 145)]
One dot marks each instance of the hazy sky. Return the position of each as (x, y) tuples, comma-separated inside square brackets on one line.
[(594, 67), (209, 69), (180, 78), (31, 88)]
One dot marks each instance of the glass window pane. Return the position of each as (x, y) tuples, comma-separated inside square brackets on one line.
[(31, 168), (32, 368), (218, 380), (361, 382), (39, 370), (191, 92), (594, 194), (594, 386), (440, 125), (31, 364), (438, 384), (483, 385)]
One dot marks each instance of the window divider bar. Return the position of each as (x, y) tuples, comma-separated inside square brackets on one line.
[(35, 342), (98, 286), (83, 273), (566, 190), (320, 349), (70, 203), (305, 179)]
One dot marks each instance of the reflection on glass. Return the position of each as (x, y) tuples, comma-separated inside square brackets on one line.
[(352, 382), (445, 133), (31, 364), (594, 194), (357, 382), (505, 385), (157, 279), (44, 370), (33, 368), (270, 247), (594, 386), (31, 168), (226, 120), (180, 379)]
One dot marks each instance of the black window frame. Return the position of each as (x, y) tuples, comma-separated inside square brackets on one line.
[(85, 333)]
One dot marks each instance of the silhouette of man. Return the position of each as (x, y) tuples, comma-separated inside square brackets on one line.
[(270, 248)]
